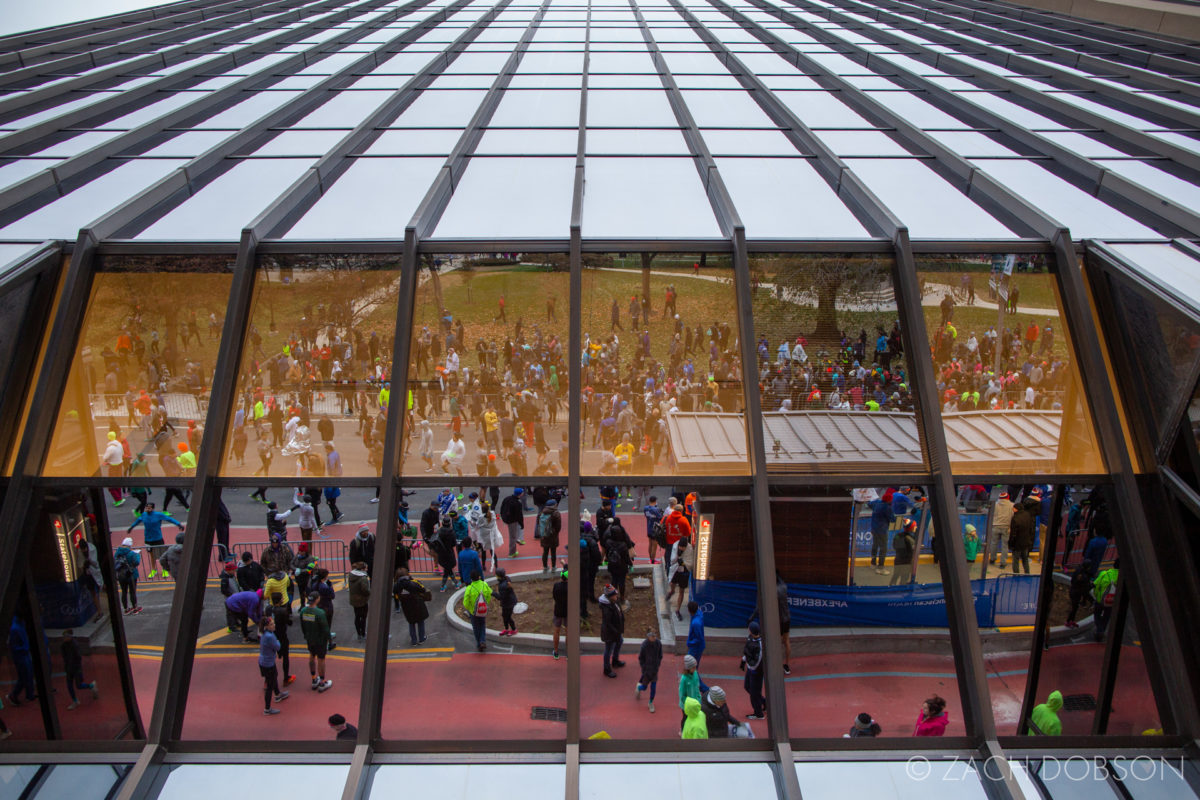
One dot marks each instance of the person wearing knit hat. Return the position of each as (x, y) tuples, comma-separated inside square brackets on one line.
[(1002, 514), (719, 720), (863, 726), (125, 562), (689, 687), (971, 542)]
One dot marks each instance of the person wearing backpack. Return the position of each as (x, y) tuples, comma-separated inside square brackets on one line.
[(620, 555), (1104, 592), (412, 596), (359, 590), (512, 514), (126, 561), (475, 602), (508, 601), (589, 563), (656, 534), (443, 547), (904, 543), (548, 526), (229, 587)]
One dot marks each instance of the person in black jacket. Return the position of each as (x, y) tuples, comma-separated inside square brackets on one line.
[(512, 514), (412, 596), (444, 547), (559, 592), (549, 525), (508, 601), (282, 612), (650, 659), (1021, 533), (589, 562), (250, 575), (612, 629), (752, 665), (716, 713), (620, 555), (430, 519), (221, 526), (73, 667), (362, 548)]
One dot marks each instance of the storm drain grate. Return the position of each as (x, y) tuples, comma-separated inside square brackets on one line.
[(1079, 702), (548, 713)]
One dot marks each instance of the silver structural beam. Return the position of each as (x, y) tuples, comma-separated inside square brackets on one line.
[(1151, 207), (862, 202), (62, 177), (105, 27), (307, 190), (45, 96), (30, 64)]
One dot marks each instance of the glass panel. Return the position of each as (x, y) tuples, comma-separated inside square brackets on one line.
[(537, 191), (373, 199), (489, 350), (81, 781), (1163, 346), (195, 781), (229, 203), (697, 781), (616, 108), (1167, 266), (1134, 711), (313, 387), (707, 576), (139, 380), (1086, 549), (465, 781), (1012, 397), (951, 779), (669, 398), (836, 391), (857, 563), (786, 198), (658, 198)]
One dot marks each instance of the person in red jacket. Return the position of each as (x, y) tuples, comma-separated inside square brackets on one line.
[(933, 719), (677, 526)]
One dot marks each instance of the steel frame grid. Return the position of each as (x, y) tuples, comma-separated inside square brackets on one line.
[(155, 753)]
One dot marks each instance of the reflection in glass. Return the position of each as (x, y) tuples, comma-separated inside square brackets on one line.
[(1012, 400), (831, 365), (856, 568), (684, 666), (139, 383), (488, 376), (662, 374), (480, 593), (1084, 567), (314, 382)]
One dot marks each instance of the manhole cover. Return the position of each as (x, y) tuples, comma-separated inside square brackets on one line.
[(1079, 702), (548, 713)]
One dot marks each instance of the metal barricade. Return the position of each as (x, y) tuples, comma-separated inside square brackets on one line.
[(332, 554), (423, 561), (179, 405)]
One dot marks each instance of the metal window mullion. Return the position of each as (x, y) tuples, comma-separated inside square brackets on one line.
[(56, 176), (956, 583), (91, 53), (1041, 625), (761, 528), (308, 188), (374, 678), (862, 202), (1153, 611), (1032, 98), (1082, 172), (161, 197), (88, 82), (710, 177), (451, 172)]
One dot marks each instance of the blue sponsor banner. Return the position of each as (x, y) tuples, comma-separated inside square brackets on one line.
[(64, 605), (1005, 600)]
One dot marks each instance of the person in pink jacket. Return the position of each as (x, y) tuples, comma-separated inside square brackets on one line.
[(933, 719)]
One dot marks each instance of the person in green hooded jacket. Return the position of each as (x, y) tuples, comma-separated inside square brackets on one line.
[(694, 726), (1045, 716)]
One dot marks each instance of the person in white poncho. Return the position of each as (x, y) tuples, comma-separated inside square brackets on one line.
[(483, 523)]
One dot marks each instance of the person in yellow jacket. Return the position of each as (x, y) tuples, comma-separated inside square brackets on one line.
[(695, 726), (476, 601), (1045, 716), (385, 396), (1104, 591), (186, 460), (624, 453)]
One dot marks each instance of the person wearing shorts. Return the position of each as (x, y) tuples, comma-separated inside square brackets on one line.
[(315, 626)]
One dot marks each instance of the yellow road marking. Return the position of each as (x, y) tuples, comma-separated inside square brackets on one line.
[(211, 637)]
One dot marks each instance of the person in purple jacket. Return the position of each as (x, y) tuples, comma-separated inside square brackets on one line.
[(246, 607)]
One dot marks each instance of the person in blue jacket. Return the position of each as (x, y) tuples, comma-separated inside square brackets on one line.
[(152, 521), (882, 517), (468, 562), (18, 651), (695, 639), (246, 607)]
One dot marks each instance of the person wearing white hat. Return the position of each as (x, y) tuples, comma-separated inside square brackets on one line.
[(126, 561)]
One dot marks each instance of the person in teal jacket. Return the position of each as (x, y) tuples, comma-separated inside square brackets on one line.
[(152, 521), (689, 687)]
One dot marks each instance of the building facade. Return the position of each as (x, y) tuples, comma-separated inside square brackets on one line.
[(897, 300)]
